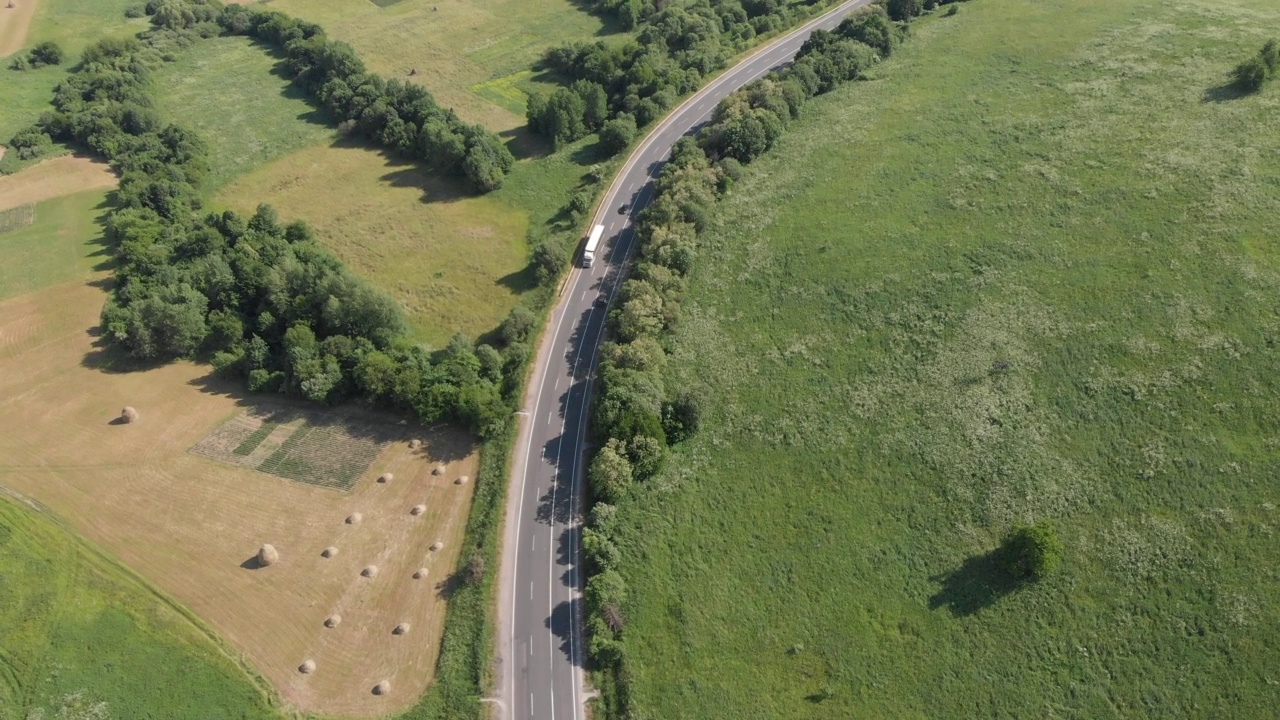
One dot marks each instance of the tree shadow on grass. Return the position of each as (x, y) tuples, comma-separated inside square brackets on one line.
[(1224, 93), (977, 584)]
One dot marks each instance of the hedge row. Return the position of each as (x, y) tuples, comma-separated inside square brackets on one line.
[(675, 47)]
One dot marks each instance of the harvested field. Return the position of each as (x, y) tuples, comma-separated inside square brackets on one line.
[(54, 178), (14, 23), (309, 446), (193, 525), (17, 218)]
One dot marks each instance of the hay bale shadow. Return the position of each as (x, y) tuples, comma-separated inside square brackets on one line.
[(253, 563)]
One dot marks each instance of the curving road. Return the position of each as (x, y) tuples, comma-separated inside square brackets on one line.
[(540, 648)]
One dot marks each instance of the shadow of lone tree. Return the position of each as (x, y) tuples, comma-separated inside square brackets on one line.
[(1027, 554)]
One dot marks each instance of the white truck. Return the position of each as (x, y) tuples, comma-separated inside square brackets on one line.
[(593, 244)]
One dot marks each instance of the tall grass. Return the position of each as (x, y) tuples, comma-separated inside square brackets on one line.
[(1028, 273)]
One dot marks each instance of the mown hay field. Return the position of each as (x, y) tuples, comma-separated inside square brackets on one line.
[(1029, 272), (453, 45), (85, 638), (191, 525)]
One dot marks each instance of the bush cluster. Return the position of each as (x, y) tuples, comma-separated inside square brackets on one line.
[(1253, 73), (400, 117), (46, 53), (676, 45)]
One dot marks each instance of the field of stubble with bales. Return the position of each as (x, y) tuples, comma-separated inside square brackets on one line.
[(1027, 272)]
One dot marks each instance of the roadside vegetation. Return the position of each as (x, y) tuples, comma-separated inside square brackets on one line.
[(982, 351), (84, 639)]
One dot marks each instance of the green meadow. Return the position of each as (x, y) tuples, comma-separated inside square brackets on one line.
[(83, 639), (1029, 271)]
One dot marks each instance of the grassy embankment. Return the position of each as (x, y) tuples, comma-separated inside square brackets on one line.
[(83, 638), (1027, 274)]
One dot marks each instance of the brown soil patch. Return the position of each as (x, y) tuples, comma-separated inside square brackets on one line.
[(14, 23), (194, 526), (54, 178)]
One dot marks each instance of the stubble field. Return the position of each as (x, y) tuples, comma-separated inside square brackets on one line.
[(1029, 272)]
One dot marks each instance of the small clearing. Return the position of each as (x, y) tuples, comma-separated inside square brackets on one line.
[(14, 23), (54, 178)]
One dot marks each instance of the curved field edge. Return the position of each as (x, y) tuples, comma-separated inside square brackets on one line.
[(113, 578), (929, 318)]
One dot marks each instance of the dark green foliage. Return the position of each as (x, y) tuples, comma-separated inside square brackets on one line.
[(872, 29), (618, 133), (400, 117), (902, 10), (1251, 74), (46, 53), (1031, 551)]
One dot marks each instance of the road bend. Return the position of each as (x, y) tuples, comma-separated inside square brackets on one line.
[(540, 645)]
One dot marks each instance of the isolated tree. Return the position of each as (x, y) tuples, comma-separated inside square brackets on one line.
[(1031, 551), (46, 53), (1251, 74)]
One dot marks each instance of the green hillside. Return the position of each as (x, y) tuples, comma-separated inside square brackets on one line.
[(1028, 272)]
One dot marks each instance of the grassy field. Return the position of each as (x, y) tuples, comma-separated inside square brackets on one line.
[(227, 90), (62, 244), (1031, 272), (452, 44), (83, 639), (73, 24)]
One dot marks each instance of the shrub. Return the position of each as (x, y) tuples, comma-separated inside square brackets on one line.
[(1270, 56), (618, 133), (1251, 74), (46, 53), (1031, 551)]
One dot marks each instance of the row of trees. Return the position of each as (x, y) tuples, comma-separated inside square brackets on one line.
[(676, 45), (259, 298), (750, 121), (401, 117)]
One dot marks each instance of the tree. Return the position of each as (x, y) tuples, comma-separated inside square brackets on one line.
[(903, 10), (1031, 551), (1251, 74), (610, 473), (617, 134), (46, 53), (519, 324)]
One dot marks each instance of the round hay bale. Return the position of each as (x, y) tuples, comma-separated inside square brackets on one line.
[(354, 518), (307, 667), (462, 480), (419, 573), (128, 415), (401, 629), (267, 555), (417, 509), (437, 470), (436, 546), (414, 444), (333, 621), (370, 571), (382, 688), (329, 552), (385, 477)]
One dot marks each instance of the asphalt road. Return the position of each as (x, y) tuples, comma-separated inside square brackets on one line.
[(540, 645)]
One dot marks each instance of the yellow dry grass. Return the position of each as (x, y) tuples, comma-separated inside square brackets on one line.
[(54, 178), (188, 523), (14, 23)]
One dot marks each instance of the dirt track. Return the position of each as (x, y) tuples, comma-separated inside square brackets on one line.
[(14, 23), (54, 178)]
